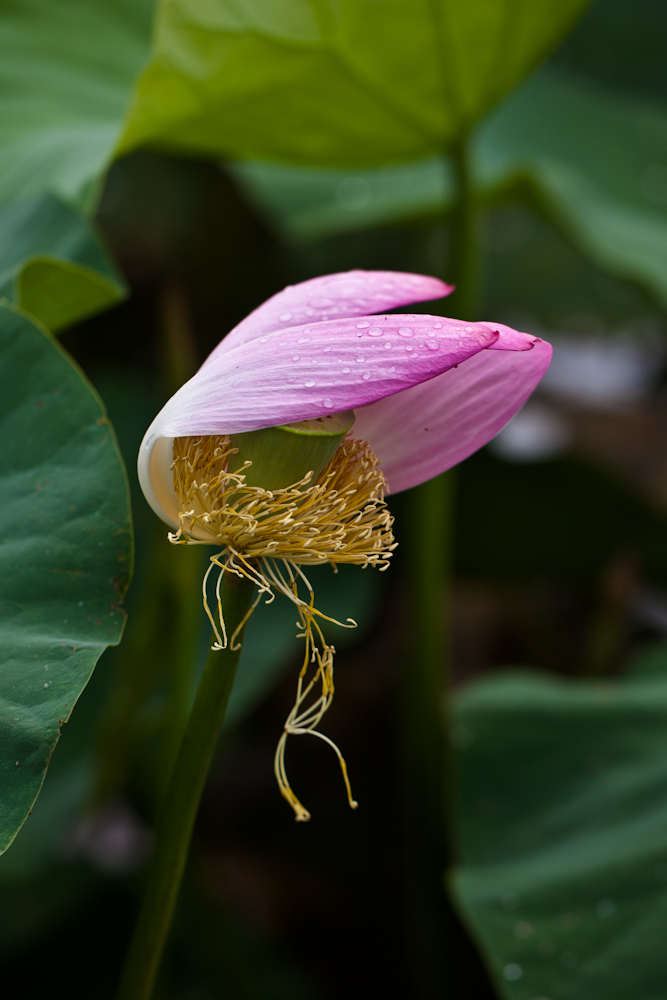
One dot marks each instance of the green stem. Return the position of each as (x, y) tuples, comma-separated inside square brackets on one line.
[(424, 760), (426, 690), (181, 802), (466, 258)]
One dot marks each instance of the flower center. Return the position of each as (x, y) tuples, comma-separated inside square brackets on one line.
[(267, 535)]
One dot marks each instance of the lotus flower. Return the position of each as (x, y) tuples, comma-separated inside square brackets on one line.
[(423, 393)]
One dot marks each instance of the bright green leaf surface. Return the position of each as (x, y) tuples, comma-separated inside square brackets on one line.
[(66, 72), (596, 161), (564, 820), (65, 553), (355, 83), (52, 264)]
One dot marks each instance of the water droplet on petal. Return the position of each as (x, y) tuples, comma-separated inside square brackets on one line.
[(409, 347), (295, 357), (327, 402), (375, 331), (437, 326), (310, 382), (405, 331), (345, 370), (284, 317), (432, 345), (366, 376), (360, 359), (303, 340), (263, 340), (388, 345), (326, 349), (512, 972), (391, 369), (363, 325), (470, 329)]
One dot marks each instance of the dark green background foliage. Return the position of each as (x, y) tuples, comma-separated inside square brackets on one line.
[(164, 168)]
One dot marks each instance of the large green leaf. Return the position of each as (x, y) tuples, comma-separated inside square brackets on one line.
[(65, 552), (564, 820), (66, 72), (52, 264), (595, 160), (351, 83)]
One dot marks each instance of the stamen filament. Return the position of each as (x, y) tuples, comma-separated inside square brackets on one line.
[(267, 536)]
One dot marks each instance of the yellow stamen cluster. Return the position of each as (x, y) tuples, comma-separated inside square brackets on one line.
[(340, 518), (268, 535)]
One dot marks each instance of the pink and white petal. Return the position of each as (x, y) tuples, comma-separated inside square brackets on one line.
[(333, 296), (428, 428), (301, 373), (509, 339)]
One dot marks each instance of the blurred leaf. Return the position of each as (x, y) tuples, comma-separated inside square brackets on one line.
[(334, 85), (563, 816), (597, 162), (52, 263), (65, 553), (308, 203), (66, 72)]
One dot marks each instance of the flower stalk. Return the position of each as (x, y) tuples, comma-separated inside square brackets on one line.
[(181, 801)]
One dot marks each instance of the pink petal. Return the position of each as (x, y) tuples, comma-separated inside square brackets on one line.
[(296, 374), (302, 372), (428, 428), (509, 339), (333, 296)]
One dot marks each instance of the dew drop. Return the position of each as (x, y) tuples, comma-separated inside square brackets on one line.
[(295, 357), (388, 345), (345, 371), (327, 402), (326, 350), (437, 326), (375, 331), (391, 369), (405, 331), (366, 376), (432, 345), (284, 317), (46, 684), (470, 329), (309, 383), (512, 972), (303, 340), (409, 347), (363, 325), (263, 340), (360, 360)]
